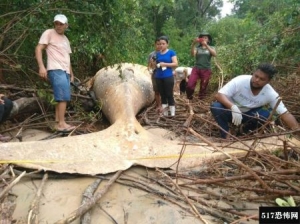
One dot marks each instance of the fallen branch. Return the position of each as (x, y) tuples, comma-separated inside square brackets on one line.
[(238, 162), (3, 193), (186, 198), (90, 203), (34, 207), (87, 195)]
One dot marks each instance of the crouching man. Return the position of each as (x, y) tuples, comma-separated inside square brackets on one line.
[(181, 75), (243, 99)]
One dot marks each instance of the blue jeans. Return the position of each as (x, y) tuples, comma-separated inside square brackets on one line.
[(60, 82), (252, 119)]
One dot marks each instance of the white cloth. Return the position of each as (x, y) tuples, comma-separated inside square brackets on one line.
[(239, 92), (179, 72)]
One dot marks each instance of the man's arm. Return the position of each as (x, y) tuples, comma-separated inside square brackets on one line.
[(39, 58), (1, 100), (290, 121), (223, 99), (151, 63), (71, 74)]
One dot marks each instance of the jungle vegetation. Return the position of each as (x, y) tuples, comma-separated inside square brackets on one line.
[(104, 32)]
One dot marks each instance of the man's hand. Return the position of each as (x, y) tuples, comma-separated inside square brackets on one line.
[(72, 77), (236, 115), (1, 100), (43, 73)]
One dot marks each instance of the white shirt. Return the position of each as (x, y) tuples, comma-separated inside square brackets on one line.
[(179, 70), (239, 92), (179, 73)]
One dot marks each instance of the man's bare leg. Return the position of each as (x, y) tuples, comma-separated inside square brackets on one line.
[(60, 111)]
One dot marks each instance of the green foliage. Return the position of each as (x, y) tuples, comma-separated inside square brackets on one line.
[(109, 31), (47, 96), (244, 43)]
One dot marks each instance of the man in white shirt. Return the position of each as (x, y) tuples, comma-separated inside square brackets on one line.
[(243, 100)]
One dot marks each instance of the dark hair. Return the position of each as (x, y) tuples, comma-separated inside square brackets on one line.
[(165, 38), (157, 39), (267, 68)]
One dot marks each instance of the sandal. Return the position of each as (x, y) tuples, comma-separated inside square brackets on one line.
[(66, 130)]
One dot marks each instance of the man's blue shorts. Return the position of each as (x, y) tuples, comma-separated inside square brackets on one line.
[(60, 82)]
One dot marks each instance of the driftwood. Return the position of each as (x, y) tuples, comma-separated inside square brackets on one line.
[(13, 183), (87, 195), (187, 200), (91, 202), (33, 214)]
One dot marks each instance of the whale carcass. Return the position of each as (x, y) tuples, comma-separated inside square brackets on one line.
[(123, 90)]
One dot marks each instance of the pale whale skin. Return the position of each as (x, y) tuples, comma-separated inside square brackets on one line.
[(123, 90)]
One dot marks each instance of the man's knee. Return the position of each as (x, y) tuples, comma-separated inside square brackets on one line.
[(264, 114), (8, 104), (216, 107)]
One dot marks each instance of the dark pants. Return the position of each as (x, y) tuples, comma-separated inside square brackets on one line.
[(182, 87), (252, 119), (165, 87), (204, 76), (5, 109)]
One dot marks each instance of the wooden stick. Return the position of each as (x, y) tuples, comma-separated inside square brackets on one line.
[(90, 203), (3, 193), (241, 164), (186, 198), (87, 195), (12, 87), (254, 143), (33, 213)]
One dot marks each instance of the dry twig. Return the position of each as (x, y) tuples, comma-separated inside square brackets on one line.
[(90, 203)]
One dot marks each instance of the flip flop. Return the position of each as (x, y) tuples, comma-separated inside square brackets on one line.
[(66, 130)]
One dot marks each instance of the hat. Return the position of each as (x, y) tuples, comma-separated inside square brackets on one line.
[(61, 18), (204, 33)]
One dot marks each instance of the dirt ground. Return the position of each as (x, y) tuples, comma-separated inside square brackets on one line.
[(121, 204)]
